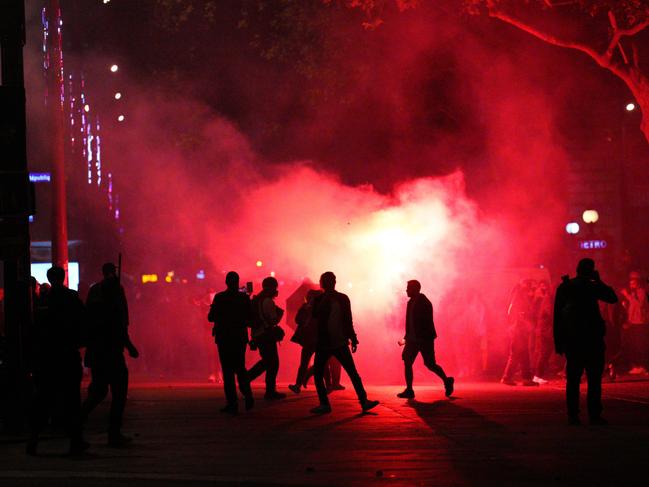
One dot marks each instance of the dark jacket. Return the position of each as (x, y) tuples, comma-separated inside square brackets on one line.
[(108, 322), (333, 334), (231, 314), (577, 320), (306, 333), (60, 328), (420, 326)]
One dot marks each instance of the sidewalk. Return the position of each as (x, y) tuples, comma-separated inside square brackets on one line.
[(488, 435)]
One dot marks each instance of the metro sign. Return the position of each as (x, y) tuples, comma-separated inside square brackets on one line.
[(592, 244)]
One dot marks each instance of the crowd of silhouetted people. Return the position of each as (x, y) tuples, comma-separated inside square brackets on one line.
[(582, 321)]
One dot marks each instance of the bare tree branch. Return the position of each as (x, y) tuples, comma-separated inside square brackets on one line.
[(618, 34), (601, 59), (623, 53)]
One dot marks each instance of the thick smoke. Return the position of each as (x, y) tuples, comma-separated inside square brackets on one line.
[(440, 162)]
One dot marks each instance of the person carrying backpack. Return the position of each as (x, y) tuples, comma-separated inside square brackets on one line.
[(266, 332)]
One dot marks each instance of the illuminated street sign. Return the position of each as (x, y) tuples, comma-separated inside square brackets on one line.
[(592, 244), (40, 177)]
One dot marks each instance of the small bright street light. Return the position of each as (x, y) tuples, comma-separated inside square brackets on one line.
[(590, 216), (630, 107), (121, 118), (114, 68), (86, 108), (118, 95), (572, 228)]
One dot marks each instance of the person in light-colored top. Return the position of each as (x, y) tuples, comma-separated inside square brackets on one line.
[(636, 328)]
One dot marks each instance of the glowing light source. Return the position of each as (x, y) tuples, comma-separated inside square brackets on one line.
[(572, 228), (272, 273), (121, 118), (630, 107), (86, 108), (146, 278), (170, 276), (200, 274), (106, 1), (593, 244), (114, 68), (259, 263), (118, 95), (590, 216)]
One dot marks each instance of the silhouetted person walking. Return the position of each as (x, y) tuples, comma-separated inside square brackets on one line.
[(57, 376), (231, 314), (306, 335), (108, 315), (333, 313), (420, 338), (265, 334), (579, 333)]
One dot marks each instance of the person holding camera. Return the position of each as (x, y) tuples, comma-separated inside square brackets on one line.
[(231, 314), (579, 331), (333, 313), (266, 332)]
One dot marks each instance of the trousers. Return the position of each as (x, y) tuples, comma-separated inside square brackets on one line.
[(344, 356), (233, 363), (111, 374)]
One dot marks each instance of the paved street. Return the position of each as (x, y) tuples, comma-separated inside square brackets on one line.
[(489, 434)]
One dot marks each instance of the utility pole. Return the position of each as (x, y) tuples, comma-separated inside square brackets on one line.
[(55, 102), (16, 204)]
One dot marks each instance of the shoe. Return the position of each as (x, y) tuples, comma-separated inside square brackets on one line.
[(449, 386), (530, 383), (30, 449), (271, 396), (574, 421), (337, 387), (77, 447), (118, 440), (230, 409), (539, 380), (612, 372), (321, 409), (598, 421), (250, 402), (407, 394), (507, 382), (295, 388), (366, 405)]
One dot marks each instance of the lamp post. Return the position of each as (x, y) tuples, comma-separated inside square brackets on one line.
[(55, 100)]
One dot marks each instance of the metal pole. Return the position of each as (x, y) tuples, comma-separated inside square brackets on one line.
[(55, 100)]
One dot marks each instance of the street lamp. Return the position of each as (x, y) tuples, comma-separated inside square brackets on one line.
[(590, 216), (630, 107), (114, 68), (572, 228)]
